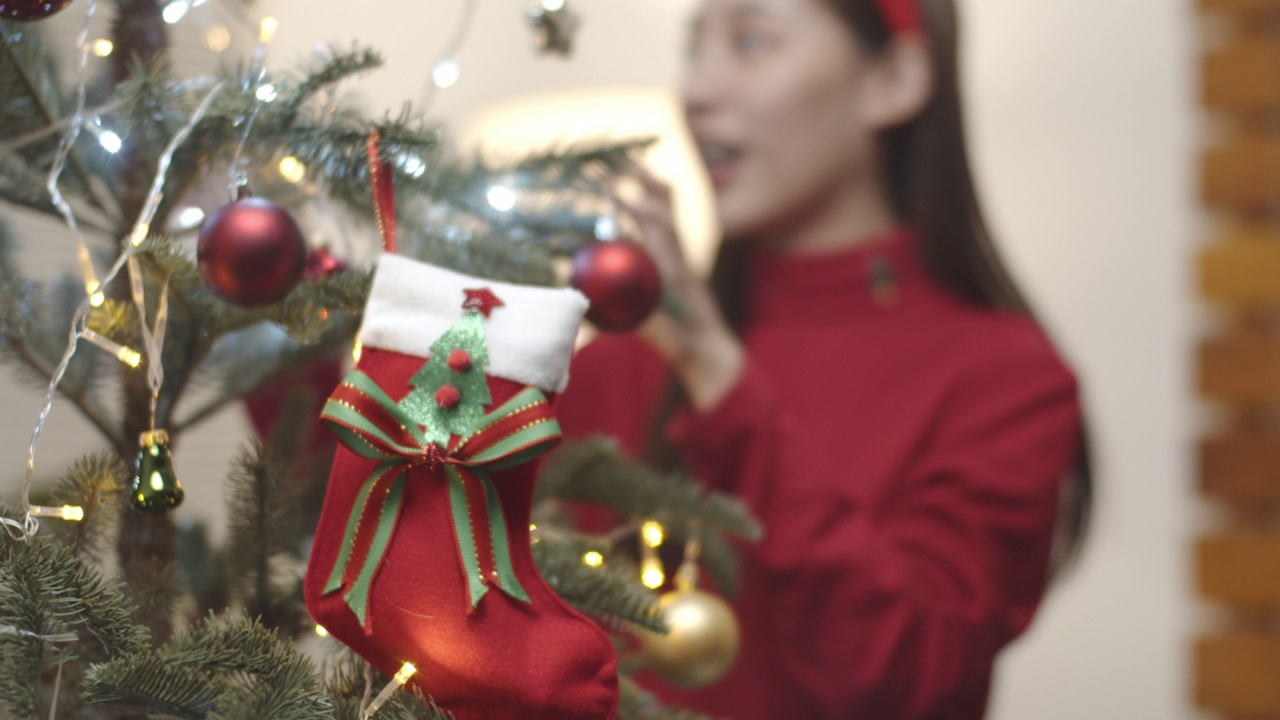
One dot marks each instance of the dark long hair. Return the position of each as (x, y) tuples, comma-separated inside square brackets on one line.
[(930, 183)]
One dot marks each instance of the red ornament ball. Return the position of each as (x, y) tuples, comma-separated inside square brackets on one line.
[(30, 9), (251, 252), (620, 280)]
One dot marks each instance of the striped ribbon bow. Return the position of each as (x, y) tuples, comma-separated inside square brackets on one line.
[(370, 423)]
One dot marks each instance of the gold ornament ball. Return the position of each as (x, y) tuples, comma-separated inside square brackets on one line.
[(703, 642)]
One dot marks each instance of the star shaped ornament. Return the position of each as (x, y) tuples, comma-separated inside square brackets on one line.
[(554, 25), (482, 300)]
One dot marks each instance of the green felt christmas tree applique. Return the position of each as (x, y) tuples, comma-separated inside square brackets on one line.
[(450, 392)]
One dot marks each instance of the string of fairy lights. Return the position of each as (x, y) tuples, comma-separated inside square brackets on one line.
[(553, 24)]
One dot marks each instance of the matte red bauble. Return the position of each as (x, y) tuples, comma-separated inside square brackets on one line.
[(620, 280), (251, 252), (30, 9)]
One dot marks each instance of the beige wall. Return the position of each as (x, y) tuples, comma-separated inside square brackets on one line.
[(1083, 132)]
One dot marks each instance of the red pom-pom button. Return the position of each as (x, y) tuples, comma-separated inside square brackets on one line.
[(448, 396), (459, 360)]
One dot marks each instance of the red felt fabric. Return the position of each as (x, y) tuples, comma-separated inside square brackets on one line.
[(506, 660), (905, 461)]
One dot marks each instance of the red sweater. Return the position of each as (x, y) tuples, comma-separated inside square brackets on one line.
[(905, 460)]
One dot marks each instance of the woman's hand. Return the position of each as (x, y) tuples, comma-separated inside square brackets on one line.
[(704, 352)]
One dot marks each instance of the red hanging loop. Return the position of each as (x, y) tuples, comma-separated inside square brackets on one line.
[(384, 196)]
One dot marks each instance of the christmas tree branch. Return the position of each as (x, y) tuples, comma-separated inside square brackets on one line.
[(264, 522), (333, 69), (350, 682), (95, 484), (146, 679), (594, 471), (23, 52), (223, 668), (291, 694), (598, 591), (83, 403), (481, 253), (48, 597)]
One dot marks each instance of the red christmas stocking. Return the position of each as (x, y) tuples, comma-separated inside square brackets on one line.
[(422, 552)]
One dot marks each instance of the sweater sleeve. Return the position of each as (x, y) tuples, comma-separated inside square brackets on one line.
[(897, 609)]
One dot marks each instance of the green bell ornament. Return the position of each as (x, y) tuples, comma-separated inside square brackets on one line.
[(155, 487)]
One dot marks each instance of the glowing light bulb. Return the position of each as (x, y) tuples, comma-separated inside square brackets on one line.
[(652, 575), (593, 559), (413, 165), (190, 216), (128, 356), (320, 630), (653, 533), (445, 73), (401, 677), (501, 198), (267, 28), (552, 5), (72, 513), (102, 47), (266, 92), (606, 227), (175, 11), (140, 232), (406, 671), (110, 141), (92, 288), (218, 38), (292, 169), (356, 351)]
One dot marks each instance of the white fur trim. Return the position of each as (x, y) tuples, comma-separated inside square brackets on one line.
[(530, 338)]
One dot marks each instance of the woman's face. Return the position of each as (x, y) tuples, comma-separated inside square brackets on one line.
[(772, 95)]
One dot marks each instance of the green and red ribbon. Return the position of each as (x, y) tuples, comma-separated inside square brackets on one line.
[(371, 424)]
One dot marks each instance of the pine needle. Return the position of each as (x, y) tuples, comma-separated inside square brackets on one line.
[(45, 592), (345, 683), (601, 592), (594, 471), (146, 679), (95, 484)]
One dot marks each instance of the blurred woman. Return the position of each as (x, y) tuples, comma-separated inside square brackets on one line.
[(860, 369)]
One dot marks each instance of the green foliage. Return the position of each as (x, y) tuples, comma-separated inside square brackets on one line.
[(224, 668), (95, 484), (57, 612), (348, 680), (595, 471), (30, 102), (551, 186), (609, 595), (145, 679), (46, 592), (17, 292), (480, 252), (266, 530)]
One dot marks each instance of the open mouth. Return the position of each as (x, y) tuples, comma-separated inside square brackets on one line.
[(721, 161)]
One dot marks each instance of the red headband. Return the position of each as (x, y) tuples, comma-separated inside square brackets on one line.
[(901, 15)]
